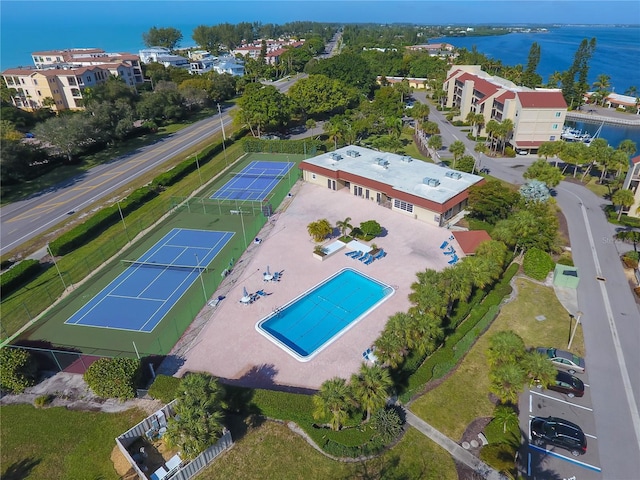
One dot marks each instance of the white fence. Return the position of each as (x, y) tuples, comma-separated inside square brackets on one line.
[(186, 471)]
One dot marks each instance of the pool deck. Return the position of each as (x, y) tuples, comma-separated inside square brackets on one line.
[(228, 346)]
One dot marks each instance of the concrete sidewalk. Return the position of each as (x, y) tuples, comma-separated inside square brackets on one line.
[(456, 451)]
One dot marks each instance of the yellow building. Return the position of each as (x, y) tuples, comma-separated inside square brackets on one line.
[(538, 115)]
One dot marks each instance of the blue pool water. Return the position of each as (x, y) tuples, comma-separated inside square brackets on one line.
[(315, 319)]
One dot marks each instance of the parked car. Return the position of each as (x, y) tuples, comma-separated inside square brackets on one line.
[(522, 152), (568, 384), (559, 432), (564, 360)]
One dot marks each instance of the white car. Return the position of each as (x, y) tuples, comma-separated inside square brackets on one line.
[(522, 152)]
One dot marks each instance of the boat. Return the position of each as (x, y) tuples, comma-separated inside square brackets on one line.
[(574, 135)]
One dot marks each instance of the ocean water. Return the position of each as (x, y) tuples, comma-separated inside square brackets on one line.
[(617, 52)]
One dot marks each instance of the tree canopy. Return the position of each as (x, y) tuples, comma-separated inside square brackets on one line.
[(162, 37), (319, 95), (263, 108)]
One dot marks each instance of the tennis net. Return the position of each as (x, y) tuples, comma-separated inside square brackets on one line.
[(269, 175), (165, 266)]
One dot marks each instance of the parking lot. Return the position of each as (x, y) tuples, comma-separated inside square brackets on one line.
[(549, 461)]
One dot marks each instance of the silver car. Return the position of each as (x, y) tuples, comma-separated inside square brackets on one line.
[(563, 360)]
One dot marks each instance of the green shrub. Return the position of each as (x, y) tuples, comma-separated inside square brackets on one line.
[(566, 259), (18, 369), (537, 263), (113, 377), (339, 450), (164, 388), (500, 456), (22, 273), (387, 424), (509, 152), (43, 400), (308, 146)]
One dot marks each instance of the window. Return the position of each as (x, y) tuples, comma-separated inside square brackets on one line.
[(552, 138), (558, 114), (35, 82), (407, 207), (39, 94), (313, 175), (554, 126)]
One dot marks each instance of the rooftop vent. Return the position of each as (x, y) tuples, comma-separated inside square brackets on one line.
[(353, 153), (406, 159), (382, 162), (335, 156), (432, 182), (454, 175)]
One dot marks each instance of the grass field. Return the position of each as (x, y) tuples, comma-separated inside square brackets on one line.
[(272, 451), (56, 443), (464, 396)]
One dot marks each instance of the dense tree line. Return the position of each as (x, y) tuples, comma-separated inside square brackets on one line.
[(113, 113)]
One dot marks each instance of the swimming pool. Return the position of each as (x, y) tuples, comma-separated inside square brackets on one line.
[(319, 316)]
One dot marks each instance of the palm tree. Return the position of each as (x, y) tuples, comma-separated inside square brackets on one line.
[(628, 146), (371, 387), (458, 149), (554, 79), (632, 236), (319, 229), (506, 129), (632, 91), (507, 416), (624, 198), (390, 346), (198, 420), (455, 284), (493, 130), (602, 85), (424, 297), (505, 347), (343, 225), (435, 142), (540, 370), (507, 381), (333, 400)]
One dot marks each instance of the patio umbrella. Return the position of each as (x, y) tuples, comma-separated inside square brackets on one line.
[(267, 272), (244, 292)]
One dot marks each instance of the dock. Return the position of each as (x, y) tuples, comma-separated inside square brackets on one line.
[(616, 118)]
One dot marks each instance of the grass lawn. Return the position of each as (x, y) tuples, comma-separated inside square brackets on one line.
[(595, 187), (272, 451), (464, 396), (56, 443)]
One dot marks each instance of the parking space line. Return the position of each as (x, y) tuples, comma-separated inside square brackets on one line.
[(534, 416), (568, 459), (590, 436), (561, 401)]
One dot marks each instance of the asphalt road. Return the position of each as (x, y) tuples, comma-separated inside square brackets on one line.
[(610, 322), (23, 220)]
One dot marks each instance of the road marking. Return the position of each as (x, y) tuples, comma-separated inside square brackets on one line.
[(624, 372), (561, 401), (568, 459), (530, 404)]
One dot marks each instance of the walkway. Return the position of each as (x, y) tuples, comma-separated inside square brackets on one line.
[(456, 451)]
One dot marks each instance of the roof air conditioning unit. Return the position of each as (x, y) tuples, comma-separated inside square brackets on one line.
[(353, 153), (454, 175), (407, 159), (382, 162), (431, 182)]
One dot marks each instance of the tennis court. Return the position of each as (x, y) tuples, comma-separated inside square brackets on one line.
[(254, 182), (143, 294)]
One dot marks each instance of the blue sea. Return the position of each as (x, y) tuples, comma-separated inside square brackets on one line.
[(117, 26)]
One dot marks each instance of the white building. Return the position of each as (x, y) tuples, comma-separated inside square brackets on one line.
[(422, 190)]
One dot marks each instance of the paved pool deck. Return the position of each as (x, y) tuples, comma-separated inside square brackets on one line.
[(229, 347)]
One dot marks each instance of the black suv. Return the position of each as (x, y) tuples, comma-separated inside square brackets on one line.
[(559, 432)]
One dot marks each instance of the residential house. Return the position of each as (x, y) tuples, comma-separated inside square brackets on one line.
[(538, 115), (421, 190), (416, 83), (442, 50), (164, 56)]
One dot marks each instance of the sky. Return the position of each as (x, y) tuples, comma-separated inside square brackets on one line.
[(352, 11)]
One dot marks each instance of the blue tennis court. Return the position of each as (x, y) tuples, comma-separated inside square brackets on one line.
[(140, 297), (254, 182)]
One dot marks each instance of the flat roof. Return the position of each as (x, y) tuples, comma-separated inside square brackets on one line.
[(403, 173)]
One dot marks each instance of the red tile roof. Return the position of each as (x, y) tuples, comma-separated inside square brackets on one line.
[(542, 100), (469, 241), (635, 160), (480, 84)]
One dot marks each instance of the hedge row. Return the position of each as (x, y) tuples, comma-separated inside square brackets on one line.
[(20, 274), (164, 388), (308, 146), (457, 344), (337, 449), (99, 222), (113, 377)]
